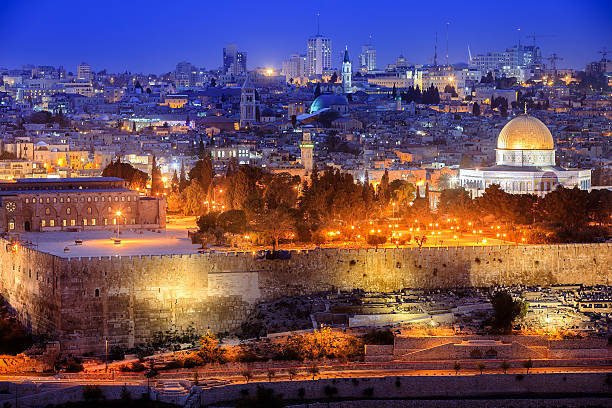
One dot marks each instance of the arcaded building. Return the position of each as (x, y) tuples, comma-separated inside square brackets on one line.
[(74, 204), (525, 163)]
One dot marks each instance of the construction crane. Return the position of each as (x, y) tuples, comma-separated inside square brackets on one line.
[(603, 53), (553, 62), (534, 36)]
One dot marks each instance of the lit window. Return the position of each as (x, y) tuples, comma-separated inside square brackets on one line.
[(85, 222), (68, 211), (63, 222), (93, 221), (73, 222), (52, 223), (43, 223), (47, 211)]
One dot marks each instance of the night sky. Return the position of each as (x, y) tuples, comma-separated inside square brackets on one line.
[(152, 36)]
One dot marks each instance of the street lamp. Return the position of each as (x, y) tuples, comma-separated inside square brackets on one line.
[(393, 204), (118, 215), (106, 355)]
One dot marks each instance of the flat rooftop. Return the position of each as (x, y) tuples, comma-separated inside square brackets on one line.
[(173, 241)]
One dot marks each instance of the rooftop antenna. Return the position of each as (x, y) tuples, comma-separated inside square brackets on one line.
[(519, 36), (370, 40), (435, 61), (318, 23), (447, 24)]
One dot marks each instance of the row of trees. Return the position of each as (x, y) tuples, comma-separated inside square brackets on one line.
[(430, 96), (563, 215)]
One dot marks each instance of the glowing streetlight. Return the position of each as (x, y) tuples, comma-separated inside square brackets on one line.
[(118, 215)]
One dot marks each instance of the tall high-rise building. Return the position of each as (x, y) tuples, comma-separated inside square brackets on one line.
[(183, 73), (347, 73), (319, 55), (234, 61), (84, 72), (367, 58), (514, 61), (295, 67)]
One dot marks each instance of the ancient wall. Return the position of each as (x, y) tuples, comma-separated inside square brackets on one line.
[(83, 301)]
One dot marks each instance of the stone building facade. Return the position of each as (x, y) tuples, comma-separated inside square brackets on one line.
[(127, 299), (76, 204)]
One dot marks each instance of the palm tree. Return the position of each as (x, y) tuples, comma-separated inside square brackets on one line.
[(481, 367), (314, 370), (247, 374), (528, 364)]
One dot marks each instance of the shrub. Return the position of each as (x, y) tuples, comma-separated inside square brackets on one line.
[(379, 337), (92, 393), (368, 392)]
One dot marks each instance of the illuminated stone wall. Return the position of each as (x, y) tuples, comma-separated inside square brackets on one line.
[(127, 299)]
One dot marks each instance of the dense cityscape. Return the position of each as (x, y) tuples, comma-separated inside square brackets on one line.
[(333, 229)]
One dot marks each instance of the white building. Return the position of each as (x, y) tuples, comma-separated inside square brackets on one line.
[(346, 73), (84, 72), (367, 58), (295, 67), (319, 55), (525, 163)]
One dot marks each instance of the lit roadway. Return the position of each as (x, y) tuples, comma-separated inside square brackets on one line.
[(326, 370)]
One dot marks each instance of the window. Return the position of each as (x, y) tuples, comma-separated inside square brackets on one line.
[(33, 201), (97, 293), (89, 210), (27, 200), (116, 198), (55, 199), (43, 223), (72, 222), (114, 221), (62, 200), (48, 200), (11, 224), (93, 221), (106, 221), (47, 211), (52, 223), (63, 222), (68, 210), (103, 199), (84, 222), (122, 198)]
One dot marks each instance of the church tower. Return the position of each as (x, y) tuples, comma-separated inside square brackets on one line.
[(346, 73), (306, 148), (248, 104)]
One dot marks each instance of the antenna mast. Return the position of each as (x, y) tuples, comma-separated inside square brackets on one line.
[(447, 24), (435, 61), (318, 23)]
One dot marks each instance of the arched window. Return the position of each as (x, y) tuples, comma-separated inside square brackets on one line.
[(97, 292), (68, 211)]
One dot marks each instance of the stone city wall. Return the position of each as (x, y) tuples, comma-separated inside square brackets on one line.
[(83, 301)]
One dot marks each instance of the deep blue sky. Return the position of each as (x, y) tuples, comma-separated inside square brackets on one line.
[(153, 35)]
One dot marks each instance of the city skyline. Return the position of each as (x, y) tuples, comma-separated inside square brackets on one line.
[(137, 38)]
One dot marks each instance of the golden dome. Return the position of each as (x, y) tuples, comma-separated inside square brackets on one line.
[(525, 133)]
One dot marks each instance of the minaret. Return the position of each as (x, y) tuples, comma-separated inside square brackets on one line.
[(248, 104), (306, 148), (346, 73)]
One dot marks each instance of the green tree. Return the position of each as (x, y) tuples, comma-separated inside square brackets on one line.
[(277, 223), (210, 352), (505, 311), (135, 178), (193, 196), (232, 221), (157, 185), (476, 109)]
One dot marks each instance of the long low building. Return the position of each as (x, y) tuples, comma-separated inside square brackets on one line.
[(76, 204)]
